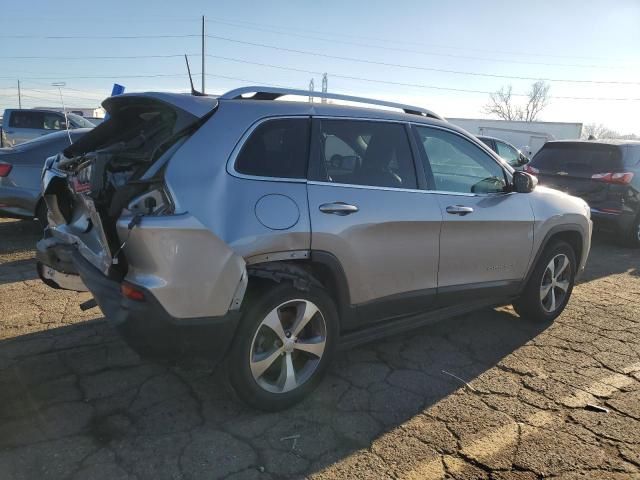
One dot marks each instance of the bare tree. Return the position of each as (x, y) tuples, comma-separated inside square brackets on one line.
[(502, 105), (594, 130)]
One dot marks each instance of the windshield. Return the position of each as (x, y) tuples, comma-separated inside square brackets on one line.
[(78, 121)]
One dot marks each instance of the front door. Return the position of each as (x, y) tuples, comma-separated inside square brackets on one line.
[(367, 210), (487, 232)]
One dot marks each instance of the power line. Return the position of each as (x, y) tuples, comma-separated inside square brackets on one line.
[(324, 55), (97, 37), (403, 84), (91, 57), (413, 67), (312, 37), (396, 41), (419, 52), (314, 72), (254, 25), (98, 77)]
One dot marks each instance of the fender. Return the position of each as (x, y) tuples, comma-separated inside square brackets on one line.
[(569, 227)]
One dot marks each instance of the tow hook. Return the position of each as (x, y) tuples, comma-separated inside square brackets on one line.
[(88, 305)]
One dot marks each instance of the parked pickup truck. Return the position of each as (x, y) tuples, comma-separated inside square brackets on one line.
[(18, 126)]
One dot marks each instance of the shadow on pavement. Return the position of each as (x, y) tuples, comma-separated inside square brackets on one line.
[(18, 235), (75, 400), (18, 270), (609, 257), (77, 392)]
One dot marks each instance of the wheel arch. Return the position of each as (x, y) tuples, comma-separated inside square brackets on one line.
[(322, 269), (570, 233)]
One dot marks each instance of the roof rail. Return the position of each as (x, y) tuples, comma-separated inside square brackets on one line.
[(270, 93)]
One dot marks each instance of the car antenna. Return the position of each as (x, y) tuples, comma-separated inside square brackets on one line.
[(64, 109), (194, 92)]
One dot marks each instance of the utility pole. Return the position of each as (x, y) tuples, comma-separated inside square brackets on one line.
[(19, 96), (325, 83), (311, 91), (203, 36)]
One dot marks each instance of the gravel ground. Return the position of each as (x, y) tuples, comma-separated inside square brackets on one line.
[(76, 403)]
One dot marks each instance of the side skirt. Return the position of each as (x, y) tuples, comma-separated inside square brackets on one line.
[(388, 328)]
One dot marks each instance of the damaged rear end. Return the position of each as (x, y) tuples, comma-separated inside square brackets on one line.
[(114, 230)]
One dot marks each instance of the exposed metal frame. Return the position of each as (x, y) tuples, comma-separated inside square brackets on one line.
[(271, 93)]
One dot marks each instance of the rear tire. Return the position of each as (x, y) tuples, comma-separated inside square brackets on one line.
[(549, 288), (283, 346)]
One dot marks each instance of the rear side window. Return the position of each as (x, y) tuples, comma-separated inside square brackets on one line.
[(26, 119), (276, 148), (578, 159), (360, 152)]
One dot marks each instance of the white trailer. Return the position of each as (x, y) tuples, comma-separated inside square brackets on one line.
[(527, 136)]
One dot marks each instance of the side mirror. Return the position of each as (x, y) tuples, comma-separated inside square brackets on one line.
[(523, 159), (524, 182)]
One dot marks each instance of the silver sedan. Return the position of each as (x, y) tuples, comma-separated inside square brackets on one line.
[(20, 172)]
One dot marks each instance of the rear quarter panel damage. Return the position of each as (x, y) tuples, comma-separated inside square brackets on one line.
[(190, 271)]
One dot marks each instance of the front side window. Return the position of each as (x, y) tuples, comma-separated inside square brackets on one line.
[(53, 121), (276, 148), (457, 165), (508, 153), (360, 152)]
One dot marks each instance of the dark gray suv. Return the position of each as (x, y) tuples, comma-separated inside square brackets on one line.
[(269, 232), (605, 173)]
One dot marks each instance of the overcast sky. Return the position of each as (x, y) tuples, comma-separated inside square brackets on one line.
[(485, 42)]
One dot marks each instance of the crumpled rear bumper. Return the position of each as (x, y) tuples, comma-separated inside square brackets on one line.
[(145, 325)]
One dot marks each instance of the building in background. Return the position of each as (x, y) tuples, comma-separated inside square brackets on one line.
[(89, 112), (528, 137)]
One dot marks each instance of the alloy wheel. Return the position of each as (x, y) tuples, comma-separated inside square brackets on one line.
[(288, 346), (555, 283)]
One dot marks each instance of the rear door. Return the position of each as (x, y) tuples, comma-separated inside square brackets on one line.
[(487, 235), (577, 168), (367, 210)]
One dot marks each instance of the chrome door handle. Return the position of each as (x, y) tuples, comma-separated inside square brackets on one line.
[(459, 210), (338, 208)]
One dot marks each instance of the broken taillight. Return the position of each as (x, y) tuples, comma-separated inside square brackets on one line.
[(132, 292), (621, 178), (5, 169)]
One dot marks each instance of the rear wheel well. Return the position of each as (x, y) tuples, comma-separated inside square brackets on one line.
[(302, 274)]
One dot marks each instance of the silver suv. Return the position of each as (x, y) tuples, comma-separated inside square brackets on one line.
[(271, 232)]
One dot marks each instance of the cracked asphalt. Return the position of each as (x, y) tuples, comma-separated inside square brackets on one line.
[(76, 403)]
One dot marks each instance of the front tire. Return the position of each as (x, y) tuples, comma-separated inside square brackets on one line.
[(284, 343), (549, 288)]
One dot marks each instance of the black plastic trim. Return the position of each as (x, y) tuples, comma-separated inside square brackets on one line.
[(396, 305), (497, 290), (385, 329), (569, 227)]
